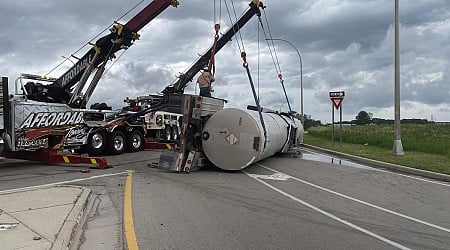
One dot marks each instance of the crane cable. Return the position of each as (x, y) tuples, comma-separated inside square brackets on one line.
[(239, 29), (95, 37), (275, 60), (245, 65), (259, 58), (211, 63)]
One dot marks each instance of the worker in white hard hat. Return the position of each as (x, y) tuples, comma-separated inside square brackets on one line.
[(204, 82)]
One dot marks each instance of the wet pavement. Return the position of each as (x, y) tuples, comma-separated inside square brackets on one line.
[(315, 156), (325, 155)]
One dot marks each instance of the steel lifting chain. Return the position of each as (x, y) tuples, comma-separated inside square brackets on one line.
[(211, 64)]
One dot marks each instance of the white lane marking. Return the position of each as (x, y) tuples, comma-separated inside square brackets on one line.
[(276, 177), (59, 183), (379, 237), (421, 179), (361, 202), (386, 171)]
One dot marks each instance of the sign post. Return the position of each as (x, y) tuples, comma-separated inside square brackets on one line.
[(336, 98), (332, 125)]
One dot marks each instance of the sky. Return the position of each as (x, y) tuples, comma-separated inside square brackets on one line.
[(344, 45)]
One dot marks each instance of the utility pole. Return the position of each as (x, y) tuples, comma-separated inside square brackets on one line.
[(398, 147)]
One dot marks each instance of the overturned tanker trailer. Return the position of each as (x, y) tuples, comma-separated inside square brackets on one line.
[(230, 138), (234, 139)]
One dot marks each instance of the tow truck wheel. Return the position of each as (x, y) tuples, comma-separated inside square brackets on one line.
[(135, 141), (116, 142), (168, 133), (96, 143), (175, 133)]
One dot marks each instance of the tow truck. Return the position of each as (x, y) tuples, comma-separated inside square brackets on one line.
[(47, 115), (161, 126)]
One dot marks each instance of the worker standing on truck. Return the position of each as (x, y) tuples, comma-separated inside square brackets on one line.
[(204, 82)]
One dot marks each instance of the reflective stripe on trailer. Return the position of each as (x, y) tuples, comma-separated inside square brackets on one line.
[(66, 159), (151, 144), (76, 159), (53, 156)]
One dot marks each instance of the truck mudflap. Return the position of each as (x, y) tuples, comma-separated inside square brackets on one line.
[(55, 156)]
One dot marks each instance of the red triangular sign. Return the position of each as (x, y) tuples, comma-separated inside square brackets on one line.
[(337, 101)]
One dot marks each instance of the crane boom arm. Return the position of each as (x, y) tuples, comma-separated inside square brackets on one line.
[(121, 37), (148, 14), (184, 79)]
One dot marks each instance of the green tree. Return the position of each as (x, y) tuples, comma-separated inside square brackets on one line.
[(308, 122), (363, 118)]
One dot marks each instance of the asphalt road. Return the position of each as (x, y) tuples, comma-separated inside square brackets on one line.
[(280, 203)]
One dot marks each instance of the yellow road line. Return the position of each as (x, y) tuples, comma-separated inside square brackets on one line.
[(128, 216)]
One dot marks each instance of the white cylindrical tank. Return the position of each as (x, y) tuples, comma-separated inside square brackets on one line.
[(234, 138)]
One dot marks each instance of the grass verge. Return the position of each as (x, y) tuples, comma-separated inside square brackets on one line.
[(420, 160)]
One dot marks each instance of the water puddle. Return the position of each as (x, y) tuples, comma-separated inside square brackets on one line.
[(313, 156)]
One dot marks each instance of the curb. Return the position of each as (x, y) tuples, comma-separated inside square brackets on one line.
[(67, 232), (380, 164)]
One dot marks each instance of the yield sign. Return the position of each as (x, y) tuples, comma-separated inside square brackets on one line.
[(337, 101)]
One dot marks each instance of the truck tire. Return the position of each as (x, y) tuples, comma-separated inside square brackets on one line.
[(135, 141), (175, 133), (96, 143), (116, 143), (167, 133)]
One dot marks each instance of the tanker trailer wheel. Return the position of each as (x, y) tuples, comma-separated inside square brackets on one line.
[(116, 142), (135, 141), (167, 133), (175, 133), (96, 143)]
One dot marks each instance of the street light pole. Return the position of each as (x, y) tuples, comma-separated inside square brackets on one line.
[(301, 70), (398, 147)]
